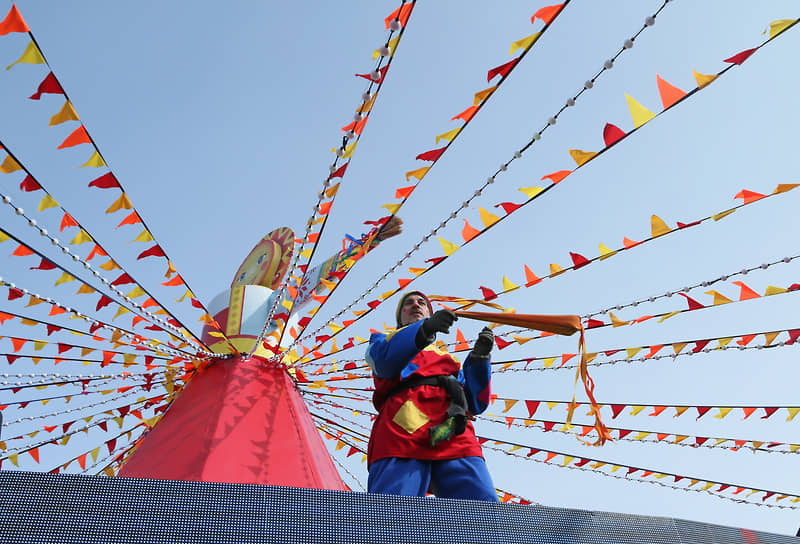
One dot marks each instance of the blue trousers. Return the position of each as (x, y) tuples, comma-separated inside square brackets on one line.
[(464, 478)]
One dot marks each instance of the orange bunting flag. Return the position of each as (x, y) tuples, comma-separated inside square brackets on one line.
[(22, 251), (530, 277), (177, 280), (746, 293), (67, 221), (469, 232), (13, 22), (467, 114), (403, 192), (401, 15), (749, 196), (670, 94), (547, 13), (78, 136), (131, 219)]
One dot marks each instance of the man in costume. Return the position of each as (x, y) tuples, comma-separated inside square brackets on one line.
[(422, 438)]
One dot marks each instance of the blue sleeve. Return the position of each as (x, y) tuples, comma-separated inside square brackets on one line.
[(388, 355), (476, 377)]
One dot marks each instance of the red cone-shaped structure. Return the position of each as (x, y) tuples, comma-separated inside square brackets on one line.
[(238, 421)]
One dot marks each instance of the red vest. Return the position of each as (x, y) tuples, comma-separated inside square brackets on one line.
[(401, 429)]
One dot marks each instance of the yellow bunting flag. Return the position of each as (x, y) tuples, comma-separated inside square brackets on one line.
[(348, 150), (449, 247), (392, 45), (783, 187), (66, 113), (122, 203), (367, 106), (639, 113), (84, 290), (658, 227), (555, 269), (721, 215), (65, 277), (718, 298), (120, 311), (47, 202), (677, 347), (524, 43), (81, 238), (703, 80), (530, 192), (136, 292), (9, 165), (392, 208), (582, 157), (508, 285), (95, 161), (449, 135), (31, 55), (605, 253), (480, 96), (772, 290), (419, 173), (776, 27), (144, 236), (488, 218), (615, 321)]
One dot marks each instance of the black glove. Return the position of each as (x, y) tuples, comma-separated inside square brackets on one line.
[(484, 343), (439, 322)]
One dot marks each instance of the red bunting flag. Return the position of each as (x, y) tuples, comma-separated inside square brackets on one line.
[(488, 294), (106, 181), (29, 184), (49, 85), (13, 22), (340, 171), (44, 265), (78, 136), (503, 70), (14, 293), (381, 73), (612, 134), (532, 406), (739, 58), (693, 304), (154, 251), (501, 344), (578, 260), (123, 279), (432, 155), (508, 207), (103, 302), (769, 411)]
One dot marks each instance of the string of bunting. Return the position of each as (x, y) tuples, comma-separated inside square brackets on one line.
[(14, 23), (30, 184), (117, 334), (649, 21), (649, 436), (33, 449), (746, 293), (547, 15), (670, 100), (397, 21), (638, 474), (24, 250)]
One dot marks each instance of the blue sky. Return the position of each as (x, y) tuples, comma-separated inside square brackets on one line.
[(218, 122)]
